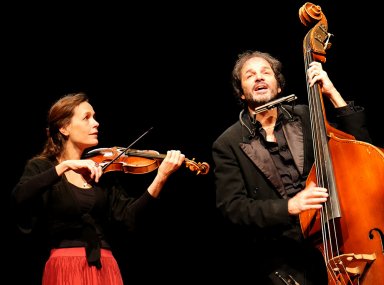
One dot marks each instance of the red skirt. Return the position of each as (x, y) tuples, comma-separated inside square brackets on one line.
[(68, 266)]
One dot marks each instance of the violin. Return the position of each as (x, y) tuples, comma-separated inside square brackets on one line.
[(134, 161)]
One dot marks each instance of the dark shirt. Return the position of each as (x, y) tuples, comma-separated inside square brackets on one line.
[(74, 217), (281, 155), (283, 160)]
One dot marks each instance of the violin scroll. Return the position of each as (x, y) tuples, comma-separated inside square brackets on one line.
[(199, 167)]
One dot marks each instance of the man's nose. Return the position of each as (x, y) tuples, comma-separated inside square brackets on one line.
[(258, 76)]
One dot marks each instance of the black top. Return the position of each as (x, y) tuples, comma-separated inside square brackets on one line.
[(74, 217)]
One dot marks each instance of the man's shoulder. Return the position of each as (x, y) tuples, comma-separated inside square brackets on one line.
[(230, 136), (299, 110), (231, 130)]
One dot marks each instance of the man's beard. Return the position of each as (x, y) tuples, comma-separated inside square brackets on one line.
[(257, 101)]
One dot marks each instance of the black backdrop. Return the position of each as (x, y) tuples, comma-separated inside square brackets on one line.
[(167, 67)]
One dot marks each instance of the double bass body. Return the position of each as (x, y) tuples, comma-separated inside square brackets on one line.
[(352, 242)]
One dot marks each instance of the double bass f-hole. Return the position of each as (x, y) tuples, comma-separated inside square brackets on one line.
[(353, 172), (381, 235)]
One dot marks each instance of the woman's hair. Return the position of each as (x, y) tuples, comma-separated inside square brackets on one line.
[(276, 66), (60, 115)]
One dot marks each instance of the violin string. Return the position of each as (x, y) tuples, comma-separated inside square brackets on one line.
[(127, 148)]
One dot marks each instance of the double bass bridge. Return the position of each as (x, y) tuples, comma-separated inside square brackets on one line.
[(351, 264)]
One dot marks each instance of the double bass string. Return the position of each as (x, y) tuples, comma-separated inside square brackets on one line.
[(324, 175), (317, 148)]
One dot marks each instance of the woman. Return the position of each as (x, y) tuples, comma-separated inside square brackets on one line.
[(77, 202)]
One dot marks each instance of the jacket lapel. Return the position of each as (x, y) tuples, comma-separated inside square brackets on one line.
[(295, 140), (262, 159)]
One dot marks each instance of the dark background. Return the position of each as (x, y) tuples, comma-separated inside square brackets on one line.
[(167, 67)]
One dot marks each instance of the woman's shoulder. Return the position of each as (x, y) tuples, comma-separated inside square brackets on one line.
[(40, 162)]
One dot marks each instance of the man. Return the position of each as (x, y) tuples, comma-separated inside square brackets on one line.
[(261, 167)]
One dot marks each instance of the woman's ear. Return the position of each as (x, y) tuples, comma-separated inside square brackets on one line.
[(64, 131)]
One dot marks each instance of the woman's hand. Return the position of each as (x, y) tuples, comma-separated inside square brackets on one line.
[(172, 161), (86, 167)]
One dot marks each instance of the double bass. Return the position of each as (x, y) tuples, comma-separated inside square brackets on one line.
[(349, 229)]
